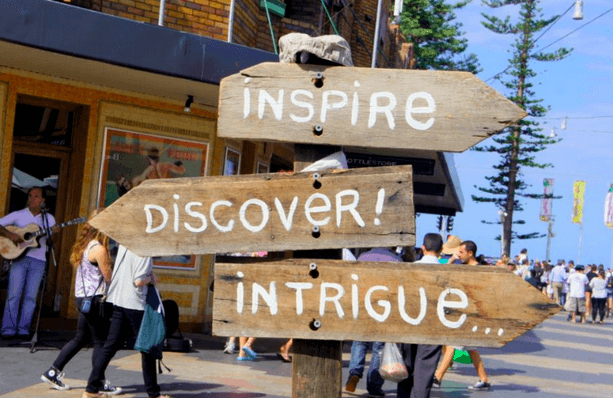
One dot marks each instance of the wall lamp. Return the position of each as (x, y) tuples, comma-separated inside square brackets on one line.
[(188, 103)]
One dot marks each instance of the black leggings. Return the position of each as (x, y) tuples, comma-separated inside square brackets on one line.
[(598, 307), (131, 320), (89, 326)]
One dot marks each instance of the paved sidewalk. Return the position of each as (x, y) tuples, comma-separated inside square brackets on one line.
[(556, 359)]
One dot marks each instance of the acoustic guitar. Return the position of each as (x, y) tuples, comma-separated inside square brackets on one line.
[(30, 234)]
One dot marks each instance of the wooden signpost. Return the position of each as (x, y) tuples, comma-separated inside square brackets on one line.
[(384, 108), (365, 301), (322, 302), (271, 212)]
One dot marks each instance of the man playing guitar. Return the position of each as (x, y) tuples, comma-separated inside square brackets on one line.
[(26, 271)]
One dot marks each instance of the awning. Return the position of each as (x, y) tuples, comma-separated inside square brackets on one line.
[(70, 42)]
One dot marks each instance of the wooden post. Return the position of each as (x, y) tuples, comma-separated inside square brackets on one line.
[(316, 364)]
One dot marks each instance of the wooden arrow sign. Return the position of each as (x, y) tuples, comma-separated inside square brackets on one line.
[(265, 212), (375, 301), (384, 108)]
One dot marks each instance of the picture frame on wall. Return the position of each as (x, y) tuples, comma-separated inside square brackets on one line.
[(131, 157), (262, 168), (232, 162)]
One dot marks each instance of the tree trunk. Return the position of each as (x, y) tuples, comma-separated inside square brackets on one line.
[(513, 162)]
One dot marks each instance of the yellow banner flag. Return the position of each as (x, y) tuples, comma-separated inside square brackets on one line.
[(578, 201)]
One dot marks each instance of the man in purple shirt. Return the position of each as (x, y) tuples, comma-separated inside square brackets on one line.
[(374, 381)]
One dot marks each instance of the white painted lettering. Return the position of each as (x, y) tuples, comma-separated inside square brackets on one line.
[(176, 209), (288, 219), (269, 296), (340, 292), (443, 303), (246, 102), (299, 287), (325, 105), (275, 105), (351, 207), (355, 105), (240, 294), (317, 209), (226, 228), (195, 214), (355, 304), (265, 215), (423, 302), (301, 104), (410, 109), (387, 307), (162, 225), (386, 109)]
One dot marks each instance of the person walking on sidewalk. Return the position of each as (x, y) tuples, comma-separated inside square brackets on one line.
[(90, 257), (374, 381), (466, 253), (599, 296), (127, 291), (576, 303), (421, 359)]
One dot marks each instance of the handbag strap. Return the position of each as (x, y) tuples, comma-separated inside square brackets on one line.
[(83, 279)]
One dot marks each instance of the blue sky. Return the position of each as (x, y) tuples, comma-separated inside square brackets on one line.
[(580, 88)]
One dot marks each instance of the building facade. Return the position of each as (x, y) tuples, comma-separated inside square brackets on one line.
[(90, 89)]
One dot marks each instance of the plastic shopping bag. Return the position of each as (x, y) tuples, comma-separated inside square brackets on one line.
[(392, 366)]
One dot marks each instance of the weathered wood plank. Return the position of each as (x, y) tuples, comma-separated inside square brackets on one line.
[(412, 303), (274, 212), (384, 108), (316, 369)]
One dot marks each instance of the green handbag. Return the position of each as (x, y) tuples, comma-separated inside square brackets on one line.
[(462, 356)]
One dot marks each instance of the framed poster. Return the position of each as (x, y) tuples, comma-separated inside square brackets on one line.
[(131, 157), (262, 168), (232, 162)]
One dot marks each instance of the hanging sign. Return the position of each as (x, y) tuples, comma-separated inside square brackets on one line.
[(608, 208), (578, 201), (545, 213)]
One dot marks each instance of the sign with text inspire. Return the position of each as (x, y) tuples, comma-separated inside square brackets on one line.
[(385, 108), (375, 301), (265, 212)]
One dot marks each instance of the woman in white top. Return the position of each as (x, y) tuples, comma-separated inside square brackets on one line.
[(90, 258), (599, 296)]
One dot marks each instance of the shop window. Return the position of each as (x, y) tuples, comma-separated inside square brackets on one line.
[(43, 124)]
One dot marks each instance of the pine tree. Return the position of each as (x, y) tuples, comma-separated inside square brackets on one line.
[(437, 40), (518, 144)]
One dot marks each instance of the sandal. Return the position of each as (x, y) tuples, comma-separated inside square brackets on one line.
[(284, 357), (250, 353)]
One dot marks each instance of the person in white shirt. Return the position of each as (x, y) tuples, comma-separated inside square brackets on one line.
[(577, 282), (422, 358)]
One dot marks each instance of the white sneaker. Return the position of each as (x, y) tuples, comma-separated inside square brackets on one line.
[(229, 348)]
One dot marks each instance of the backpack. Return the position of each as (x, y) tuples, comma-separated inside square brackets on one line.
[(610, 283), (173, 342)]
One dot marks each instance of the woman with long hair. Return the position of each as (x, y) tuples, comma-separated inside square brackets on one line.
[(90, 258)]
